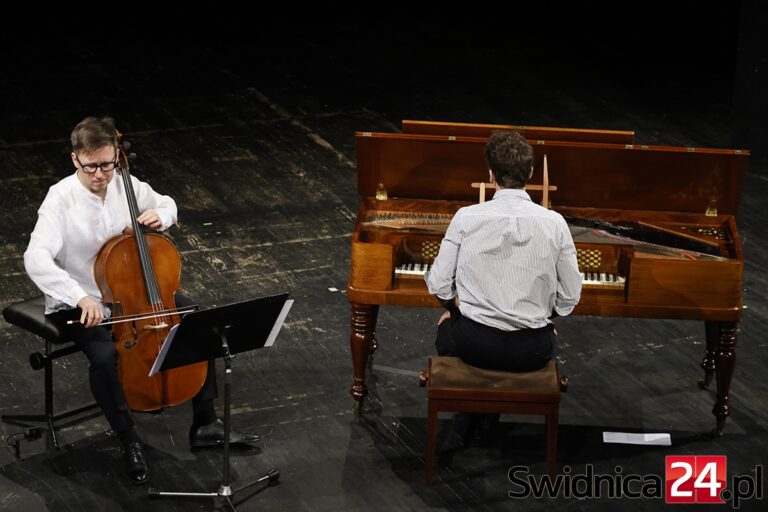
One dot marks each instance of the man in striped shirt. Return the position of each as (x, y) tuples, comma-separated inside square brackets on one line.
[(505, 268)]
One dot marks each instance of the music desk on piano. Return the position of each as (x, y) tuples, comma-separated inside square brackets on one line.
[(687, 262)]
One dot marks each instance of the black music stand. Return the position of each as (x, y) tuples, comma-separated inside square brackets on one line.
[(222, 332)]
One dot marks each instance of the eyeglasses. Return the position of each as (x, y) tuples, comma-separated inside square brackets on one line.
[(104, 166)]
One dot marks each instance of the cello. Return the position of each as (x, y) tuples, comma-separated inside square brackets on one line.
[(138, 274)]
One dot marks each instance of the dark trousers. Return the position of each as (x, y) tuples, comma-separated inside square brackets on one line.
[(99, 348), (494, 349)]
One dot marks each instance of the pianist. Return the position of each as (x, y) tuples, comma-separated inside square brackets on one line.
[(513, 265)]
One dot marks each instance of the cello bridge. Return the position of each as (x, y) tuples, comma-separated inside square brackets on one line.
[(156, 327)]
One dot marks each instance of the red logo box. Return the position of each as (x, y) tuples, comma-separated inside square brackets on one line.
[(695, 478)]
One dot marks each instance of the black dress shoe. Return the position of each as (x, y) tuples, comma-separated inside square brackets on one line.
[(135, 463), (213, 435)]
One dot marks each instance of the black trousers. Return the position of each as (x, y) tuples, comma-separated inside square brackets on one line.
[(99, 347), (494, 349)]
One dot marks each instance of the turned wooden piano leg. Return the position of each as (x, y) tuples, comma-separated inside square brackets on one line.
[(725, 360), (363, 324), (374, 342), (708, 364)]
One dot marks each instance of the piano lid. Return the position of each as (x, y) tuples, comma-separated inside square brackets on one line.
[(529, 132), (626, 177)]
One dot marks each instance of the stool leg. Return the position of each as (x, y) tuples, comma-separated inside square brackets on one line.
[(431, 439), (552, 424), (48, 369)]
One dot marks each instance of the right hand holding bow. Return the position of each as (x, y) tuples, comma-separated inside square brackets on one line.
[(93, 312)]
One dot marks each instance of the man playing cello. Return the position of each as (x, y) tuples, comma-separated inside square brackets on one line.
[(79, 215)]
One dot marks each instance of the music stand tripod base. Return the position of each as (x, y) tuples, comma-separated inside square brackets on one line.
[(225, 491)]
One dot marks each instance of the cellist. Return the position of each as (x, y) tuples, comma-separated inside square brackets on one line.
[(79, 214)]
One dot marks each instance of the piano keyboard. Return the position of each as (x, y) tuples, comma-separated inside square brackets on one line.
[(412, 269), (602, 279), (588, 278)]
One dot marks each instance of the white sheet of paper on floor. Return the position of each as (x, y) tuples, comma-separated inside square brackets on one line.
[(659, 439)]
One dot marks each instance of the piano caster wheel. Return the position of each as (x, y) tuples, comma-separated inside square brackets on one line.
[(370, 361), (357, 406), (704, 384)]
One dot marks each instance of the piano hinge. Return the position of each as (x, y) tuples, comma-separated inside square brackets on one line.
[(451, 137), (367, 134), (629, 146), (690, 149), (711, 210), (644, 147), (737, 151), (541, 142)]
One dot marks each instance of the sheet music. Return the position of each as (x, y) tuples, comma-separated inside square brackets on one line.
[(659, 439), (279, 323), (163, 351)]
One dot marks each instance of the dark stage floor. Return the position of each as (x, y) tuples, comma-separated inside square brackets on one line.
[(253, 135)]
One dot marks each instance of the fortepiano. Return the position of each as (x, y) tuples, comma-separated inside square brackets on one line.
[(680, 201)]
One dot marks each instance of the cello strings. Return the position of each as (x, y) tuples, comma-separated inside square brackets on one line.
[(150, 279)]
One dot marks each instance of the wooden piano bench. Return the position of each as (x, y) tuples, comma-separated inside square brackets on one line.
[(453, 385), (30, 316)]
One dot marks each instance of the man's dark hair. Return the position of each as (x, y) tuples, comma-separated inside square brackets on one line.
[(510, 157), (93, 133)]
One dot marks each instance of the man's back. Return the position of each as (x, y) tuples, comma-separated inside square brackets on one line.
[(514, 263)]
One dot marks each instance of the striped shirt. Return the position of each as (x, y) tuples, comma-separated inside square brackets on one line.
[(510, 261)]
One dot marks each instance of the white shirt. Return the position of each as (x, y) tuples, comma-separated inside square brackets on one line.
[(72, 226), (511, 262)]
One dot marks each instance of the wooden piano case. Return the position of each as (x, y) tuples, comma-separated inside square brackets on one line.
[(692, 193)]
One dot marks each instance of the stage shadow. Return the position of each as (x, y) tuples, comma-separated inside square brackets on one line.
[(89, 475), (478, 475)]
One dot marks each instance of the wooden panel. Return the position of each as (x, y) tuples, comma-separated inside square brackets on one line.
[(692, 284), (420, 166), (529, 132), (372, 265), (404, 292), (656, 178)]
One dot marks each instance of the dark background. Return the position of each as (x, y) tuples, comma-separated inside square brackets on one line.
[(672, 59)]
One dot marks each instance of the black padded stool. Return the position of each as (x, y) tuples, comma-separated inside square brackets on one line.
[(30, 316)]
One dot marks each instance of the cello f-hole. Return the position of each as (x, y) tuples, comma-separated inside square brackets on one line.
[(134, 336)]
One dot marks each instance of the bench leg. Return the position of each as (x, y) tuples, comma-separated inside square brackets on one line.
[(431, 441), (49, 400), (552, 425), (52, 421)]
